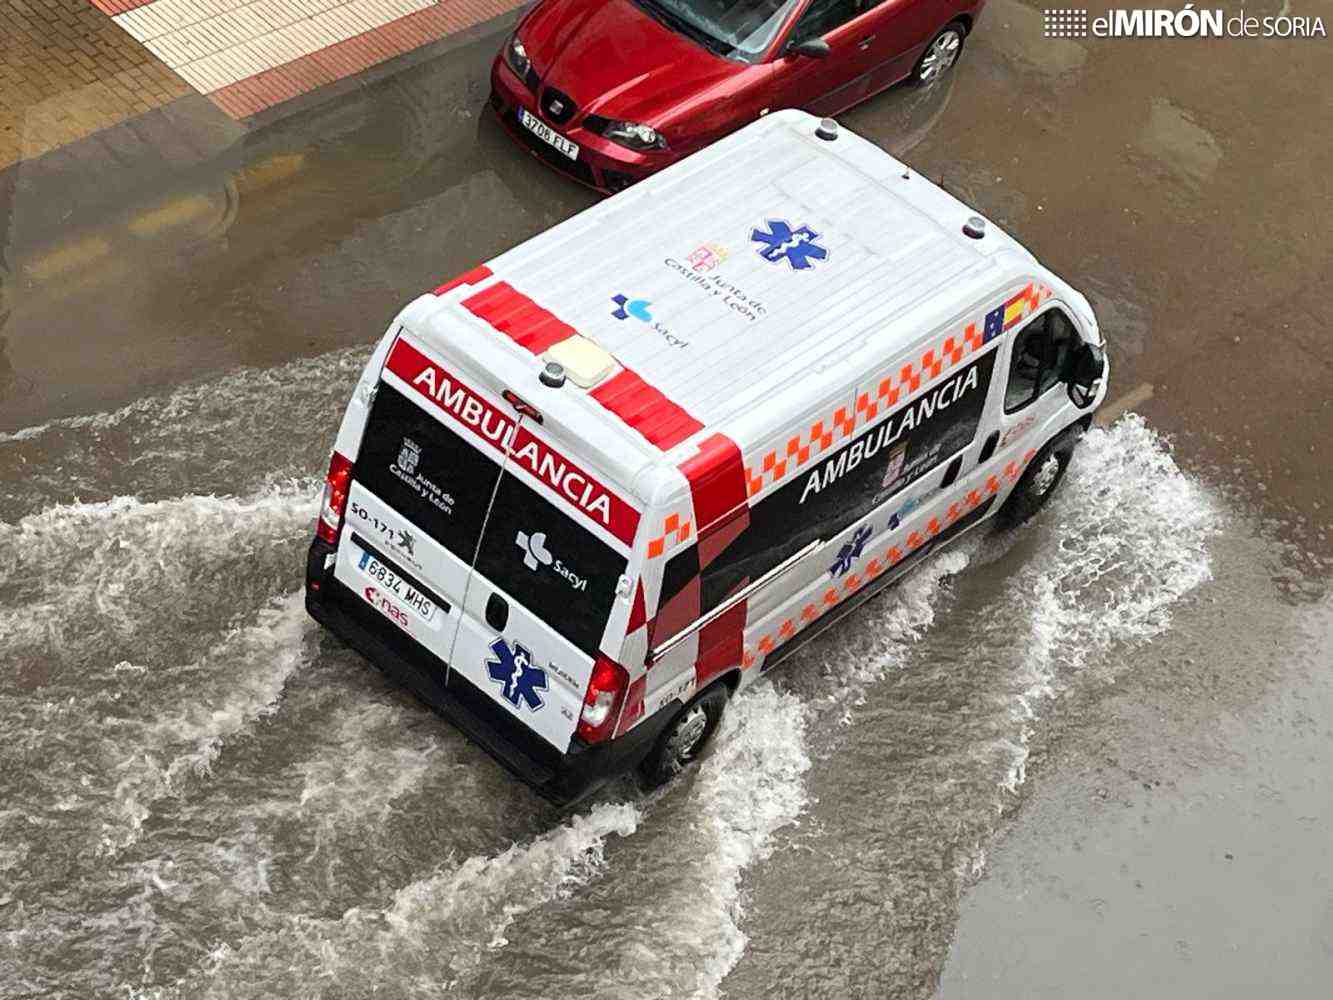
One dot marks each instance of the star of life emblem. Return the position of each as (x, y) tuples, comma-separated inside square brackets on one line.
[(513, 670), (851, 551), (799, 247)]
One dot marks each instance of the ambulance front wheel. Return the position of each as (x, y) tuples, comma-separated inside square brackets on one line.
[(1039, 480), (685, 738)]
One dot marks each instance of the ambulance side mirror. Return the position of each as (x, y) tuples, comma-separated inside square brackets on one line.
[(1087, 365), (811, 48)]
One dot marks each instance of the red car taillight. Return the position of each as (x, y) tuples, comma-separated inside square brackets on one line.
[(601, 705), (335, 498)]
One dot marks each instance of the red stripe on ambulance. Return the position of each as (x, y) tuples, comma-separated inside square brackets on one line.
[(638, 404), (518, 317), (476, 275), (468, 408), (721, 509)]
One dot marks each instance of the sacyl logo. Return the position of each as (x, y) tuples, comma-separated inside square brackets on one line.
[(536, 555), (626, 307), (408, 456), (638, 308)]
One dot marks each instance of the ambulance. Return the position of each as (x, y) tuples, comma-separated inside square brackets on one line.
[(586, 493)]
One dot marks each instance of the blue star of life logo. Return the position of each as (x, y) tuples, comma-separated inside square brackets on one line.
[(851, 551), (519, 680), (798, 247)]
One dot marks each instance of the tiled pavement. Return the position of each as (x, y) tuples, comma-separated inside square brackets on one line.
[(247, 55), (72, 68), (67, 71)]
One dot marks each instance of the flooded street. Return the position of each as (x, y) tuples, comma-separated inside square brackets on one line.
[(1090, 757)]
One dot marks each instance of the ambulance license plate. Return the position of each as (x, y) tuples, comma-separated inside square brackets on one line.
[(396, 585), (547, 134)]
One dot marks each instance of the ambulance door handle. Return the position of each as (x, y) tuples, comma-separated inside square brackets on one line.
[(864, 43), (951, 473), (497, 612), (988, 449)]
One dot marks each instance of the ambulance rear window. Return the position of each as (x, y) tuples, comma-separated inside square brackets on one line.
[(552, 565), (533, 550)]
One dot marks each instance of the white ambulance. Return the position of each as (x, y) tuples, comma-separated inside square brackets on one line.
[(584, 494)]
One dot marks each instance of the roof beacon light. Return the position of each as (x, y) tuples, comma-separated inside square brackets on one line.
[(582, 361), (975, 227), (553, 374), (827, 130)]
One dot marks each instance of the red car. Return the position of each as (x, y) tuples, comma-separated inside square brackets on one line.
[(610, 91)]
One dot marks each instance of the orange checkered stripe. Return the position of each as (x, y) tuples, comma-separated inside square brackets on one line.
[(880, 563), (824, 433), (676, 530)]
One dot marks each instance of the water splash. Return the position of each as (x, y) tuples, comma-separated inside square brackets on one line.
[(239, 682), (200, 438), (433, 931), (132, 576), (1127, 540)]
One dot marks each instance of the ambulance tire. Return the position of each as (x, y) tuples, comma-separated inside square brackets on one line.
[(685, 738), (1040, 480), (940, 55)]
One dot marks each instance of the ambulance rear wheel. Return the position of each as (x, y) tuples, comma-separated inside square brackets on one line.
[(1039, 480), (685, 738)]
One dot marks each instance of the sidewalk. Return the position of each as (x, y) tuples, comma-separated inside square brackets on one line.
[(248, 55), (67, 71), (176, 170)]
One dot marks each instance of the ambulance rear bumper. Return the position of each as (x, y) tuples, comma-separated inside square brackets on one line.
[(561, 778)]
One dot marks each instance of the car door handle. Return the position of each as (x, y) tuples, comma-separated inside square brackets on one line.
[(865, 42)]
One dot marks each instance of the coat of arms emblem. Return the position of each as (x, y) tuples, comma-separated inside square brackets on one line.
[(408, 456)]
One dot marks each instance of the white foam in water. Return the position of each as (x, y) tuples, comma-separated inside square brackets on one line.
[(750, 787), (358, 779), (234, 435), (241, 680), (433, 931), (223, 398), (1124, 541), (125, 560), (898, 623)]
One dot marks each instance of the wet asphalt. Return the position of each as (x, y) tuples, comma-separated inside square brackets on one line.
[(1089, 758)]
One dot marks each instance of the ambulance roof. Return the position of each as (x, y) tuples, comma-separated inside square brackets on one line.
[(735, 287)]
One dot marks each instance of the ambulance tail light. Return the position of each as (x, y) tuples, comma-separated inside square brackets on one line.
[(602, 703), (331, 511)]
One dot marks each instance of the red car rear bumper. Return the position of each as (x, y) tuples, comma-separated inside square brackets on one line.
[(601, 164)]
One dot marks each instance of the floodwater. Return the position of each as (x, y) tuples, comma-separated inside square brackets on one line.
[(1090, 755), (204, 796)]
